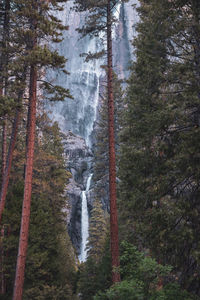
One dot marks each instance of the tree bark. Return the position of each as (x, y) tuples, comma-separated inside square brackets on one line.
[(4, 146), (26, 206), (112, 159), (23, 242)]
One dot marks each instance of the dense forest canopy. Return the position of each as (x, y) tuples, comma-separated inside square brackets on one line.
[(144, 156)]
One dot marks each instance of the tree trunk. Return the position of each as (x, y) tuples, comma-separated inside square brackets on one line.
[(112, 160), (23, 242), (4, 147)]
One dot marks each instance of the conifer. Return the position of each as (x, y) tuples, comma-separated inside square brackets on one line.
[(101, 18), (50, 264), (160, 140), (97, 232), (3, 76), (40, 26), (18, 51)]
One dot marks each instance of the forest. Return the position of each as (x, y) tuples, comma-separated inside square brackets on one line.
[(100, 151)]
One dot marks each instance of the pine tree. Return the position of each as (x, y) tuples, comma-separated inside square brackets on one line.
[(50, 266), (37, 58), (95, 276), (159, 154), (23, 242), (101, 153), (5, 179), (97, 232), (101, 18), (3, 78), (20, 57)]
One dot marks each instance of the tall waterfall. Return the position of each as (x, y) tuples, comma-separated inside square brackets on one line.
[(77, 117), (84, 222)]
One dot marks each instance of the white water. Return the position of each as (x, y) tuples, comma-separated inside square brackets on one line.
[(77, 115), (84, 222)]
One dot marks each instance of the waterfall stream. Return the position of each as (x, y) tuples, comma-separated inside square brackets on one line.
[(84, 221)]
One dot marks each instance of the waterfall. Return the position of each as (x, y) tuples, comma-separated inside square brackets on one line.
[(84, 222), (77, 117)]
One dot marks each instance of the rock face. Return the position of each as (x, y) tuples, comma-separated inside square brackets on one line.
[(77, 117), (78, 160)]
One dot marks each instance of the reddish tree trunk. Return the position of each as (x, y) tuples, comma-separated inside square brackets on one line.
[(4, 146), (23, 241), (112, 160)]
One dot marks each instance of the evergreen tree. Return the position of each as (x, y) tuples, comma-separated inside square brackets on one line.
[(97, 231), (101, 132), (3, 78), (140, 276), (50, 266), (101, 152), (101, 18), (21, 56), (38, 56), (159, 163), (95, 275)]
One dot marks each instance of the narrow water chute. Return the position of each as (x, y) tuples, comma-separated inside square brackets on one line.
[(84, 221)]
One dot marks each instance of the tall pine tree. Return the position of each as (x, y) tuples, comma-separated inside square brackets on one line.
[(36, 17), (101, 18), (159, 164)]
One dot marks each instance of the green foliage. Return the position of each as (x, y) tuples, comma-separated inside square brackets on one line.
[(49, 292), (95, 275), (130, 290), (18, 31), (137, 264), (172, 291), (7, 105), (97, 231), (134, 290), (50, 265), (159, 161), (144, 269), (140, 278), (101, 151), (55, 92), (96, 20)]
